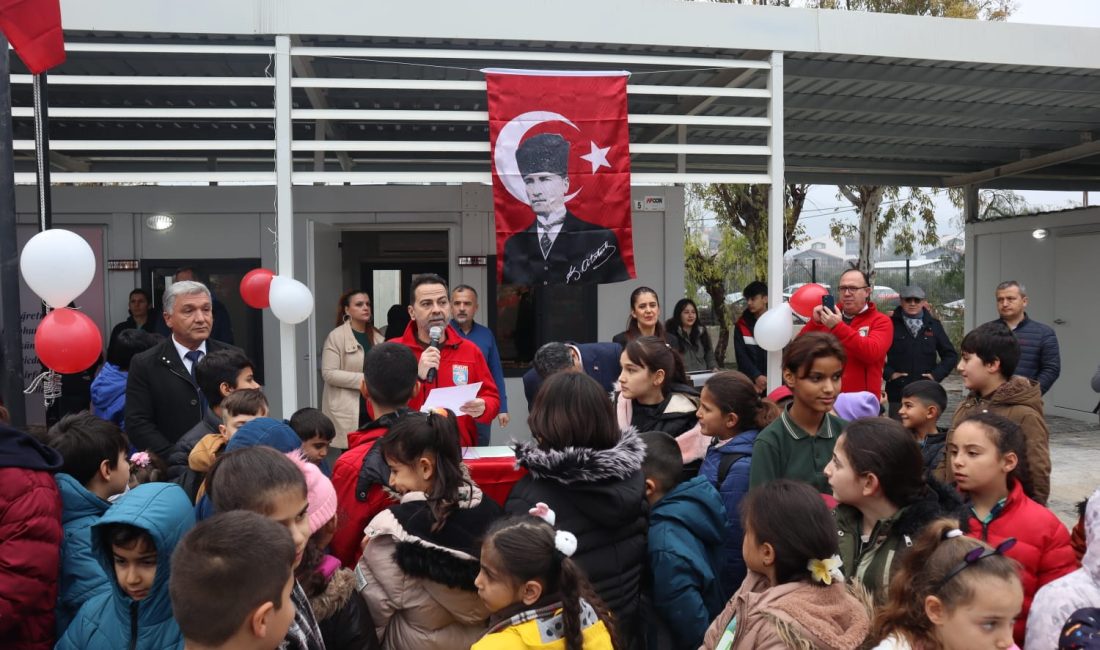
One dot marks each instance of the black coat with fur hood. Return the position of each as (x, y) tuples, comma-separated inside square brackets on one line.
[(599, 496)]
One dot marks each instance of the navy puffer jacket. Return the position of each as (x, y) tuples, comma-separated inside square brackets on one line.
[(1040, 358)]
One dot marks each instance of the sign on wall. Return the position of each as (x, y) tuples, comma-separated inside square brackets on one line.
[(561, 176)]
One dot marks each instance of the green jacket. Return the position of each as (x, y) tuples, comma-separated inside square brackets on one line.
[(874, 563)]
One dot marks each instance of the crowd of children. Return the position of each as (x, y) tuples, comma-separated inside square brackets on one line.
[(664, 517)]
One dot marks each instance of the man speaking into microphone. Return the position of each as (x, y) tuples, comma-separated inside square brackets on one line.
[(446, 359)]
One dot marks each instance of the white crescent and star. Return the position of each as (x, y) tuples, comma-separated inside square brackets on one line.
[(504, 155)]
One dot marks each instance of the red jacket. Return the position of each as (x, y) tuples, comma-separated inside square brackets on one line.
[(460, 362), (866, 342), (30, 541), (359, 477), (1042, 545)]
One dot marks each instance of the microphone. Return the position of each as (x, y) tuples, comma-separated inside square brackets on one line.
[(436, 333)]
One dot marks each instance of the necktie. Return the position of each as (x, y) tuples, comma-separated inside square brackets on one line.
[(914, 325), (545, 243), (193, 356)]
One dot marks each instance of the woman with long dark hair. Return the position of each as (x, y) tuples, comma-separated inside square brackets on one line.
[(342, 359), (644, 319), (689, 337)]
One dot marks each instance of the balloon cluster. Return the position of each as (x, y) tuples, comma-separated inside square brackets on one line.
[(58, 265), (290, 301), (775, 328)]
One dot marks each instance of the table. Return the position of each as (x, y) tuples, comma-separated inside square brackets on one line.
[(494, 470)]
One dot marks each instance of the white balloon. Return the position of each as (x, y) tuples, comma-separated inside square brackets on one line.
[(291, 301), (58, 265), (775, 328)]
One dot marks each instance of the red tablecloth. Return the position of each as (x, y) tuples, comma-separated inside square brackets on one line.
[(495, 475)]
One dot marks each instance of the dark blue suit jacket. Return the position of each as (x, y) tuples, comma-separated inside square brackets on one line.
[(600, 361)]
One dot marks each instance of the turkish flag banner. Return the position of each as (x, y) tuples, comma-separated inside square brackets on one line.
[(561, 176), (34, 29)]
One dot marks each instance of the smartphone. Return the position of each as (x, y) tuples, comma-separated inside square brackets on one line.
[(828, 301)]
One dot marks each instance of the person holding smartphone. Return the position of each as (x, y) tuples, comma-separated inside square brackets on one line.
[(864, 331)]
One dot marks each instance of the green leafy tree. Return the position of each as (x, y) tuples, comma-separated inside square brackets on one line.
[(744, 210), (908, 218)]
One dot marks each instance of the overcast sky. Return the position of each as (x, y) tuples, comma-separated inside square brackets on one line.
[(818, 211)]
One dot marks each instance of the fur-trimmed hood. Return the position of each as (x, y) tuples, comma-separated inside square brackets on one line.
[(574, 465), (449, 556), (338, 590)]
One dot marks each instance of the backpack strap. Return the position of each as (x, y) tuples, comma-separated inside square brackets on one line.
[(725, 464)]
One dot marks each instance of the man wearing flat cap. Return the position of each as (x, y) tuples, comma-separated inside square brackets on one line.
[(559, 247), (918, 340)]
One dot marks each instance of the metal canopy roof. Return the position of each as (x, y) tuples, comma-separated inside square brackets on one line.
[(867, 98)]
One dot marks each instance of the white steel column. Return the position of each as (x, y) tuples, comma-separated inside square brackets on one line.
[(284, 216), (776, 205)]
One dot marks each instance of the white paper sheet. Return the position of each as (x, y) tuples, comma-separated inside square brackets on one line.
[(451, 397)]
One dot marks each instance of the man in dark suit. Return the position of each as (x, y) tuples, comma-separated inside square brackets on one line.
[(163, 400), (599, 361), (559, 247)]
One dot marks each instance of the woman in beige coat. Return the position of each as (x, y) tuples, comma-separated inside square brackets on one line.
[(342, 363)]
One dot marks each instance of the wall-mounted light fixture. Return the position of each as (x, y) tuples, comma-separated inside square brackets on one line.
[(1040, 233), (159, 222)]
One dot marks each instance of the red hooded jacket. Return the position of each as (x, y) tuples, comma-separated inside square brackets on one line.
[(359, 478), (460, 362), (866, 341), (1042, 544)]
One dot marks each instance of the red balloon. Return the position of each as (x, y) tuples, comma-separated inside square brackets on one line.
[(255, 286), (67, 341), (806, 298)]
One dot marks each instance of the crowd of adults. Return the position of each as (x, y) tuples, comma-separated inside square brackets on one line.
[(670, 516)]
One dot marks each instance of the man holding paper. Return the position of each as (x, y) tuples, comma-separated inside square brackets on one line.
[(454, 360)]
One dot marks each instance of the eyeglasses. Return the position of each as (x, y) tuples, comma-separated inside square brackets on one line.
[(976, 555), (851, 289), (910, 299)]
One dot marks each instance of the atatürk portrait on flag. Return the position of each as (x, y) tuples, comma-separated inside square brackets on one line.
[(559, 247), (560, 150)]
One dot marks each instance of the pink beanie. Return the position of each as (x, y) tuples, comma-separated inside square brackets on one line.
[(321, 494)]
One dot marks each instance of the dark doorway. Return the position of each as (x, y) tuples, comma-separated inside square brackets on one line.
[(387, 260), (223, 277)]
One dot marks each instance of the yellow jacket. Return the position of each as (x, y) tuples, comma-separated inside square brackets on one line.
[(541, 628)]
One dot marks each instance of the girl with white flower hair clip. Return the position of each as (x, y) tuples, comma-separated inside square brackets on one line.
[(794, 595), (539, 598)]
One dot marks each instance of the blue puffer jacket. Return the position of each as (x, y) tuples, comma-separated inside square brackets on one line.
[(1040, 358), (109, 394), (685, 557), (82, 575), (106, 621), (732, 490)]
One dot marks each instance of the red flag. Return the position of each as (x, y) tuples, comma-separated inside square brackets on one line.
[(34, 29), (561, 177)]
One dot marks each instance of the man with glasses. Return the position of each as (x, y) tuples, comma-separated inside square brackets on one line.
[(919, 339), (863, 331)]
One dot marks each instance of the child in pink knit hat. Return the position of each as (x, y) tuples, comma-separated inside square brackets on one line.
[(341, 613)]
